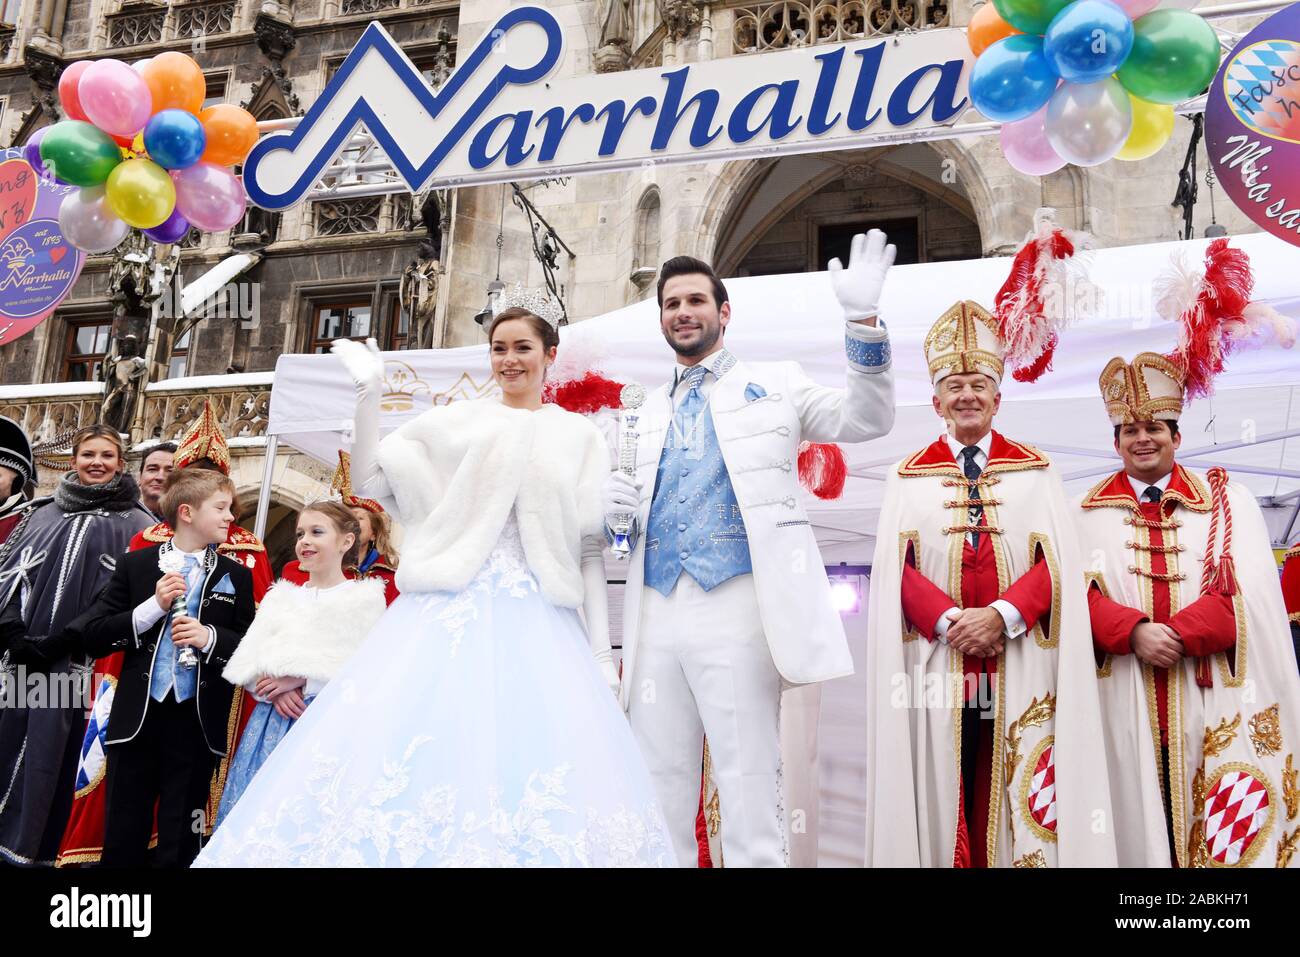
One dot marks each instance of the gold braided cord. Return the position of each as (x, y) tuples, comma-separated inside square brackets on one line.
[(1148, 523), (1160, 549), (1156, 576)]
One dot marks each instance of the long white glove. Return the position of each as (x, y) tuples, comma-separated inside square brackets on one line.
[(620, 495), (366, 367), (595, 609), (859, 286)]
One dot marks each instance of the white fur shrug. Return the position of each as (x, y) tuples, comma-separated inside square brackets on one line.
[(452, 475), (304, 635)]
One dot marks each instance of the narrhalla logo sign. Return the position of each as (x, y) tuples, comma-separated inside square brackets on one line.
[(1252, 125), (37, 265), (503, 116)]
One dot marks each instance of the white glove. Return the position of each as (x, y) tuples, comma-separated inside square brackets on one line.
[(620, 496), (366, 367), (610, 674), (365, 364), (858, 288), (595, 611)]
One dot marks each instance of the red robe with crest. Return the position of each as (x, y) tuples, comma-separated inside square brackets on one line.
[(924, 602)]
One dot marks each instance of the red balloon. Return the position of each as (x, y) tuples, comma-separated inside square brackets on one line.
[(68, 81)]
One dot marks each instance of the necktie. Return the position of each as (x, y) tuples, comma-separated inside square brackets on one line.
[(1152, 493), (688, 413), (973, 470), (167, 670)]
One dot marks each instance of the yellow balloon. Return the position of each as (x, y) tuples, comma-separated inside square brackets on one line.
[(1153, 124), (137, 144), (140, 193)]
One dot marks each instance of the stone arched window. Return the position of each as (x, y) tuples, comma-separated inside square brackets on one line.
[(645, 259)]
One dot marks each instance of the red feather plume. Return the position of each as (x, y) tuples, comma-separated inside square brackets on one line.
[(1215, 314), (1046, 278), (586, 395), (822, 469)]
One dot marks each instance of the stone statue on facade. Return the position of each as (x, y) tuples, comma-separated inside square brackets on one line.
[(613, 48), (125, 370), (420, 278)]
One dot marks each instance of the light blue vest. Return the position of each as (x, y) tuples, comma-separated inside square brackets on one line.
[(168, 672), (695, 523)]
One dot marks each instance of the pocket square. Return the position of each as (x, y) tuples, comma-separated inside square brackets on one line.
[(754, 392), (224, 587)]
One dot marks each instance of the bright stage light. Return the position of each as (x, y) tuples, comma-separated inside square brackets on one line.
[(845, 596)]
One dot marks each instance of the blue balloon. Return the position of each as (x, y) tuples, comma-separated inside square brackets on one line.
[(1088, 40), (174, 139), (1012, 79)]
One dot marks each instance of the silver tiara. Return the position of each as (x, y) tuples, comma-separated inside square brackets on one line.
[(534, 300)]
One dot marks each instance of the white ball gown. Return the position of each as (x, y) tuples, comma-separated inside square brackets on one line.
[(470, 729)]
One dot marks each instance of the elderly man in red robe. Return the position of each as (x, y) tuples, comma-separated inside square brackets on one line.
[(984, 711)]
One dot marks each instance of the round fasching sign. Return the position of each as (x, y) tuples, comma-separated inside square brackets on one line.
[(1252, 125)]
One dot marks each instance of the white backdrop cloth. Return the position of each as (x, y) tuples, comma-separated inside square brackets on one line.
[(797, 317)]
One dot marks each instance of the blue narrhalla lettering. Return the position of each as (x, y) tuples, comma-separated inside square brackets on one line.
[(768, 112)]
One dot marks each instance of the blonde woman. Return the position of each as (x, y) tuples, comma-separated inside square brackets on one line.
[(55, 562)]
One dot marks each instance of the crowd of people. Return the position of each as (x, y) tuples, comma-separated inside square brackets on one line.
[(1098, 682)]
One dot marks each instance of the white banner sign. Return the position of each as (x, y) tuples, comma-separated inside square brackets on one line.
[(498, 118)]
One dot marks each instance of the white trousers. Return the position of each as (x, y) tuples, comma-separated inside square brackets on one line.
[(800, 715), (703, 668)]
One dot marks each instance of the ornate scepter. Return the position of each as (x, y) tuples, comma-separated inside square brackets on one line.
[(170, 560), (631, 398)]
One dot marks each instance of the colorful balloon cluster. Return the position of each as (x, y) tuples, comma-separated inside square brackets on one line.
[(144, 152), (1085, 81)]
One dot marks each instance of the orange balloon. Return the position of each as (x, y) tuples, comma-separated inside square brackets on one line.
[(175, 82), (231, 133), (987, 28)]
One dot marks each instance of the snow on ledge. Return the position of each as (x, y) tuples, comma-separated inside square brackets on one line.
[(51, 390), (234, 379)]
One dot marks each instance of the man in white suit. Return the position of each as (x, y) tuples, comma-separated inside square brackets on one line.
[(727, 599)]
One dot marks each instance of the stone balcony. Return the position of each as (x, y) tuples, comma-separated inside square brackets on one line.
[(50, 413)]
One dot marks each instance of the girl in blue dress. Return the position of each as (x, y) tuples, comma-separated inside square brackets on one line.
[(302, 636)]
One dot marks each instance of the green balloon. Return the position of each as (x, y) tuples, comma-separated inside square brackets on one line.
[(1175, 56), (1030, 16), (79, 153)]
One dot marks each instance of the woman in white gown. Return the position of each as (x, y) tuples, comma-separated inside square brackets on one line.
[(476, 723)]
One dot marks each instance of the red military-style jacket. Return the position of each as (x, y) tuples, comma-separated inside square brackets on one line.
[(1206, 625)]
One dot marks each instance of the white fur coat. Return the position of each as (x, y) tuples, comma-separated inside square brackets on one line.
[(453, 474), (304, 635)]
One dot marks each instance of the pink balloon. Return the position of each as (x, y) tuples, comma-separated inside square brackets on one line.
[(115, 97), (210, 197), (1138, 8), (1025, 146)]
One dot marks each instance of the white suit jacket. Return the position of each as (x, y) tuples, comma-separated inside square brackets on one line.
[(759, 440)]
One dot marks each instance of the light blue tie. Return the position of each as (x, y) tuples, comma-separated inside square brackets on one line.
[(167, 671), (688, 413)]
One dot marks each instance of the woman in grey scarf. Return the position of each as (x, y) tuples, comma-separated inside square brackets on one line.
[(51, 568)]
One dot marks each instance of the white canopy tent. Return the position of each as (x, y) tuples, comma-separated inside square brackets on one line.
[(1251, 425)]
